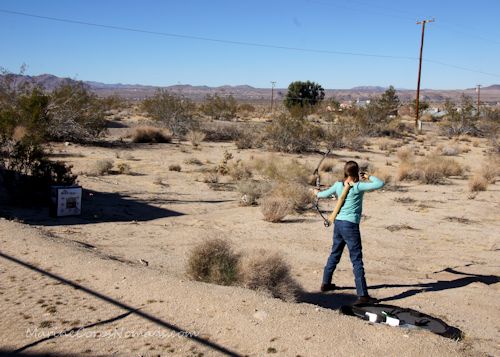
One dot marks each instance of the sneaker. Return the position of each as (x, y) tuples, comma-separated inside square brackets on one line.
[(327, 287), (366, 299)]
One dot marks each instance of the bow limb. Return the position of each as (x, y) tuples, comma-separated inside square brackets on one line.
[(326, 222)]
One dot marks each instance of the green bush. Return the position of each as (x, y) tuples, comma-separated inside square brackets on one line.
[(220, 108), (172, 110)]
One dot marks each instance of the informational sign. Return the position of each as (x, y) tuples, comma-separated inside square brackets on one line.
[(66, 201)]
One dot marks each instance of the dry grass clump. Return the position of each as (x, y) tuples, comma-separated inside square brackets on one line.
[(405, 154), (239, 171), (269, 273), (251, 191), (399, 227), (214, 261), (175, 167), (327, 165), (478, 183), (490, 169), (101, 167), (431, 169), (195, 137), (193, 161), (150, 134), (404, 200), (383, 174), (282, 170), (124, 168), (274, 208), (449, 150), (299, 195)]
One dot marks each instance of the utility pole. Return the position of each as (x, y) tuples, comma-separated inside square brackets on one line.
[(417, 100), (478, 90), (273, 83)]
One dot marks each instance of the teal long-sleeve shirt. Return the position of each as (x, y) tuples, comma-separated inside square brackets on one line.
[(353, 205)]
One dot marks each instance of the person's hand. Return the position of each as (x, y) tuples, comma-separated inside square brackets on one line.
[(364, 176)]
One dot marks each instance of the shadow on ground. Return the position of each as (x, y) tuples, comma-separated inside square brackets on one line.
[(128, 310), (333, 301), (97, 207)]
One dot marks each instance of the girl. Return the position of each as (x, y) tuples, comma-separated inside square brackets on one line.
[(346, 230)]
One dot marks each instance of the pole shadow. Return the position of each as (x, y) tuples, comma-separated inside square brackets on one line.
[(130, 309)]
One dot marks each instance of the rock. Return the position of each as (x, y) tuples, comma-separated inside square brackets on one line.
[(260, 315)]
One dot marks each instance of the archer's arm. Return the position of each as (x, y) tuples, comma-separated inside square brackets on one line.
[(374, 183), (329, 192)]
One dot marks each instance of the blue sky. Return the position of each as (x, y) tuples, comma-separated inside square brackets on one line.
[(466, 34)]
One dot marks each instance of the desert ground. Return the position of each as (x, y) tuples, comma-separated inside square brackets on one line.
[(113, 281)]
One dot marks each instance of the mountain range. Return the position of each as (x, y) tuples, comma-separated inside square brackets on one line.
[(490, 94)]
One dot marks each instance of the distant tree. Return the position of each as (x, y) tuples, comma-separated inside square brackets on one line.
[(220, 107), (422, 106), (389, 101), (303, 94), (172, 110), (460, 119)]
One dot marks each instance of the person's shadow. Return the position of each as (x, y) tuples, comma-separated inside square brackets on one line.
[(336, 300), (439, 285)]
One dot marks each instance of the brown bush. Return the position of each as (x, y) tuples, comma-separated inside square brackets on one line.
[(195, 137), (478, 183), (251, 191), (150, 134), (298, 194), (431, 169), (213, 261), (239, 171), (405, 154), (269, 273), (282, 170), (220, 131), (175, 167), (124, 168), (275, 208), (101, 167)]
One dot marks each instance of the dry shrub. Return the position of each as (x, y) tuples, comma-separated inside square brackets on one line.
[(124, 168), (251, 191), (195, 137), (214, 261), (175, 167), (299, 195), (275, 208), (478, 183), (383, 174), (269, 273), (239, 171), (431, 169), (150, 134), (450, 150), (384, 144), (327, 165), (101, 167), (490, 169), (250, 138), (220, 131), (211, 177), (193, 161), (277, 169), (405, 154)]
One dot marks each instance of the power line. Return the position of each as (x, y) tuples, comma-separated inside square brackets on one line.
[(240, 43)]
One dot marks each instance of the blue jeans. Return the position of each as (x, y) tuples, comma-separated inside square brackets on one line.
[(347, 233)]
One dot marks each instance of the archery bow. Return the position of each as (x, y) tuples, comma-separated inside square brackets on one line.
[(326, 222)]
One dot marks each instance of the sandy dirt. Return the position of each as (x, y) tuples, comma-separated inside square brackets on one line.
[(113, 281)]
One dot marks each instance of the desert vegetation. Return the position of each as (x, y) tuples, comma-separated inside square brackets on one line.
[(215, 261)]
